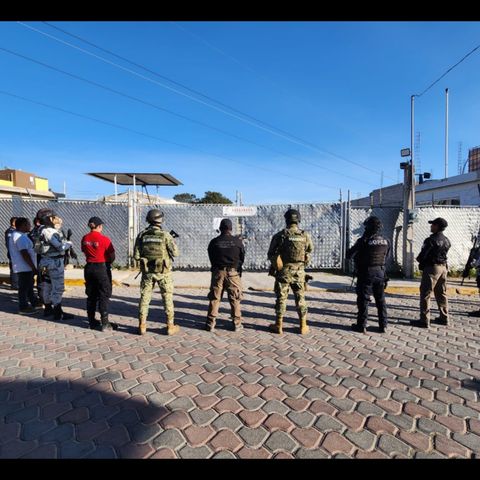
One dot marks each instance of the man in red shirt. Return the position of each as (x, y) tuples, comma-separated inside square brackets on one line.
[(99, 253)]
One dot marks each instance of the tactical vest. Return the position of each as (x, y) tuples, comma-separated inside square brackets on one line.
[(294, 246), (153, 248), (373, 252)]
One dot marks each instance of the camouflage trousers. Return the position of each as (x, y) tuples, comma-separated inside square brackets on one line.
[(165, 283), (294, 278)]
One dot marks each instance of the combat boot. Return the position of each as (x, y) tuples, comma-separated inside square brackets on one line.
[(304, 329), (106, 325), (48, 310), (142, 326), (94, 324), (278, 327), (172, 329), (59, 314)]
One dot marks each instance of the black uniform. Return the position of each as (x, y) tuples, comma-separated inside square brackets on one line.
[(434, 251), (226, 251), (370, 253)]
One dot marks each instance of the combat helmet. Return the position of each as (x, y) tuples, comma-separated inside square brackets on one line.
[(292, 216), (154, 217)]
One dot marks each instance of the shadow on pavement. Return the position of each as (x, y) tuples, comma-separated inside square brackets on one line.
[(48, 418)]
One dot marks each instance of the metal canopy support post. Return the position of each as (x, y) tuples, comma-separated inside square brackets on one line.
[(116, 187)]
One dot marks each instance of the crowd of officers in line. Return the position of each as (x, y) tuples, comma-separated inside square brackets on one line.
[(41, 251)]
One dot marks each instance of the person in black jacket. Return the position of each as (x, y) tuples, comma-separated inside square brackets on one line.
[(370, 253), (432, 260), (226, 253)]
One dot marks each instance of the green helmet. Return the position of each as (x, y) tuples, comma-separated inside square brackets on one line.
[(154, 216), (292, 216)]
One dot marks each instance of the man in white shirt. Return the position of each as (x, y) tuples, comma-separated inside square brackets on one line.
[(24, 264)]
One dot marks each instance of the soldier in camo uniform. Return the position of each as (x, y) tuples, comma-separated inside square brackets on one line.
[(289, 254), (154, 250)]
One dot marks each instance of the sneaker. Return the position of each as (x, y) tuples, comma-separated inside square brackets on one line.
[(27, 310), (209, 327), (237, 327), (440, 321), (382, 328), (358, 328)]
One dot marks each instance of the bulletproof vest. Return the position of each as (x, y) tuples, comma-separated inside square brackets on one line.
[(373, 252), (294, 246), (153, 247), (39, 245), (43, 247)]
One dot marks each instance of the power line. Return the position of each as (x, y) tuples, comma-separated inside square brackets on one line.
[(184, 117), (243, 116), (138, 132), (448, 71)]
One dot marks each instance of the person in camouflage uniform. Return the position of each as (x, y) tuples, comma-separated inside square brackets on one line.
[(154, 250), (289, 254)]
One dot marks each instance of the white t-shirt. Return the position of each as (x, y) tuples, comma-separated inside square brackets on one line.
[(20, 241)]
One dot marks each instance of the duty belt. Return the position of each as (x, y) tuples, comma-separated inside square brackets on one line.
[(55, 257), (225, 268)]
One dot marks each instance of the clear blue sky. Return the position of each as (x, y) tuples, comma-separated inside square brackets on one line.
[(342, 86)]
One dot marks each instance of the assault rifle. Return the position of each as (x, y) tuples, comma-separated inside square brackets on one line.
[(468, 265), (70, 252)]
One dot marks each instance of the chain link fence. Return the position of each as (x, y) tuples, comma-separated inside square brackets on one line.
[(75, 215), (328, 224)]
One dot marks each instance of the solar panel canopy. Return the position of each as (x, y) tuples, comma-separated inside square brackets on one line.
[(140, 178)]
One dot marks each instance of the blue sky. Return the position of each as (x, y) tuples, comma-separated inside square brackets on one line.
[(344, 87)]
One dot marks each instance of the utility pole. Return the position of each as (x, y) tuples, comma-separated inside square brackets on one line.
[(446, 133), (409, 201)]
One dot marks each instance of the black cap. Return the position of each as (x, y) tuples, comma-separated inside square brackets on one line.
[(226, 224), (96, 221), (441, 222)]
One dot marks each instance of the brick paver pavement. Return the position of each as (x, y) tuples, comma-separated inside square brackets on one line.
[(69, 392)]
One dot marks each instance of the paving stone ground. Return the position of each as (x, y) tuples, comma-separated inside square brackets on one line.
[(70, 392)]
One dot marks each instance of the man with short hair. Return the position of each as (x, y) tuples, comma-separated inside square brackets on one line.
[(24, 264), (99, 252), (227, 254), (8, 234), (432, 260)]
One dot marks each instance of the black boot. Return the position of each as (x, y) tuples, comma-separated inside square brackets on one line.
[(59, 314), (106, 325), (94, 324), (48, 310)]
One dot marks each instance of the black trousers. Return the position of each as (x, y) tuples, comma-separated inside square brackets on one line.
[(371, 282), (13, 275), (25, 290), (98, 287)]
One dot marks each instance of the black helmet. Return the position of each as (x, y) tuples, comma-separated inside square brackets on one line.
[(373, 223), (154, 216), (44, 214), (292, 216)]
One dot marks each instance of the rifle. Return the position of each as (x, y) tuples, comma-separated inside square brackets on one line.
[(473, 250), (70, 252)]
